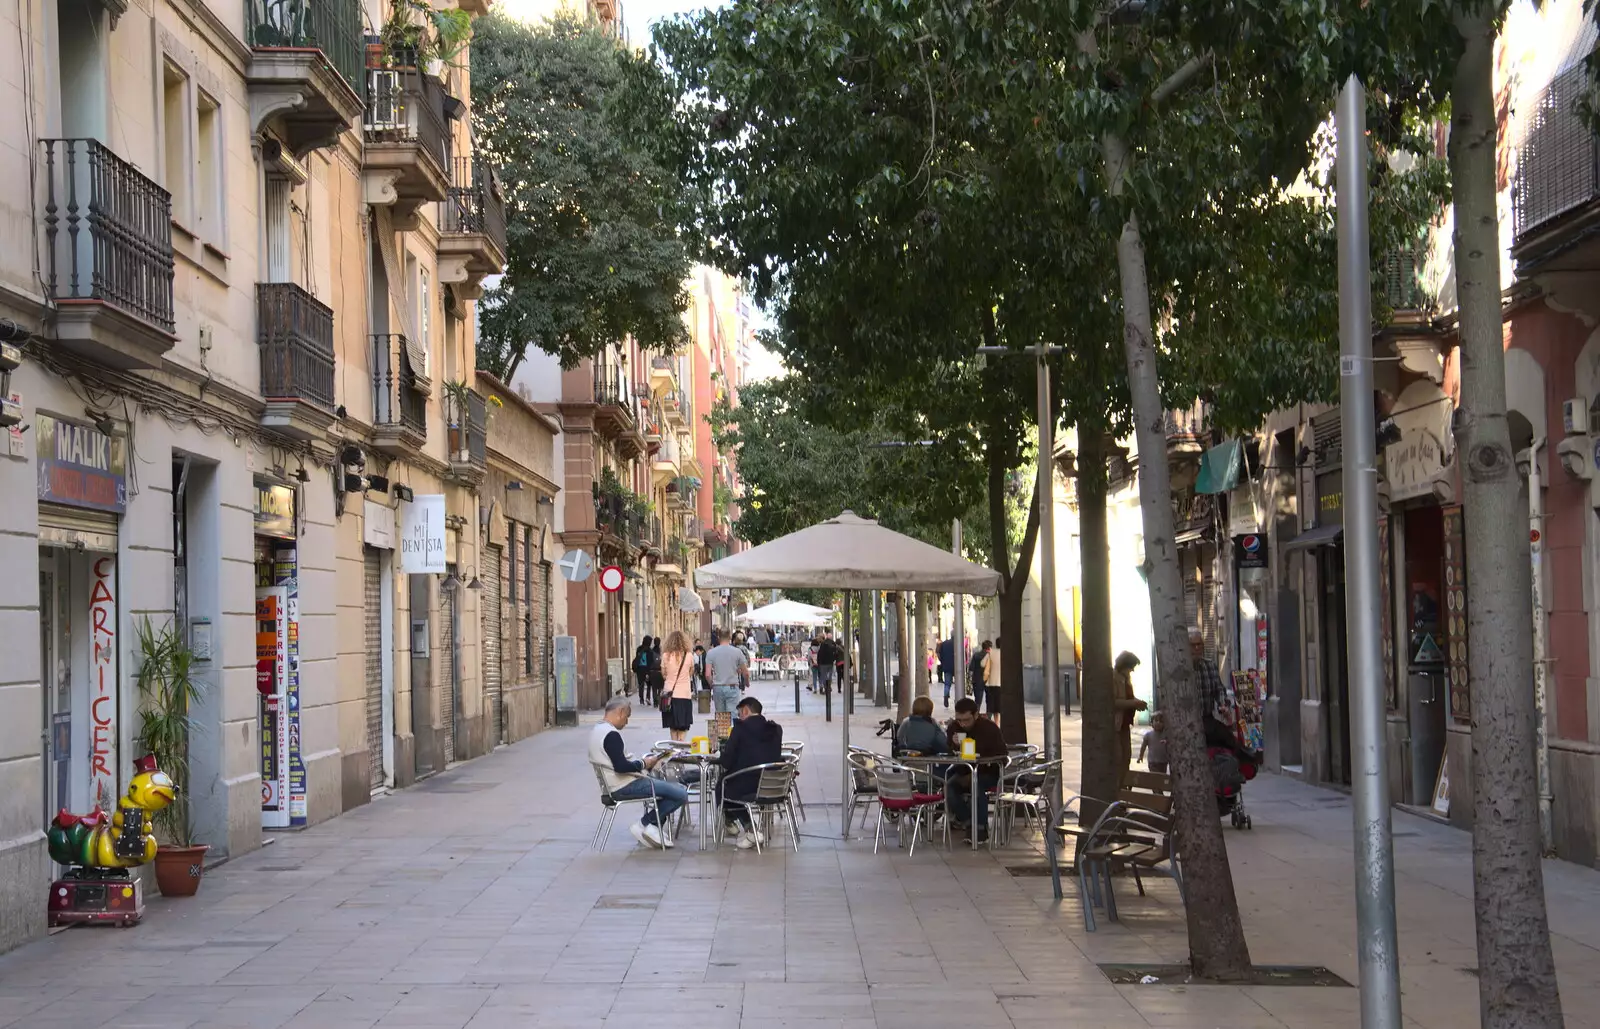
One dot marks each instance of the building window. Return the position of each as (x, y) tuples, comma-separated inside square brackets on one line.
[(175, 141), (527, 591), (208, 163), (511, 565)]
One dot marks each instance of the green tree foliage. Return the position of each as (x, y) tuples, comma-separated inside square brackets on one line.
[(593, 251)]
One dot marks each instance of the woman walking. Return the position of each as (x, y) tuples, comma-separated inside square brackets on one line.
[(677, 694), (1127, 705)]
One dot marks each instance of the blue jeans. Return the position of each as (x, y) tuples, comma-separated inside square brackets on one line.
[(958, 787), (726, 698), (669, 797), (948, 678)]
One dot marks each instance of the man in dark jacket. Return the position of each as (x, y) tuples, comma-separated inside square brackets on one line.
[(947, 666), (829, 657), (753, 741), (959, 786)]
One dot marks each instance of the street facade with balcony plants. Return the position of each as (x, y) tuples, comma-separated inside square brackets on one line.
[(267, 278)]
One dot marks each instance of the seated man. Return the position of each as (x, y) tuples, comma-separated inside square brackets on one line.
[(959, 787), (753, 741), (920, 733), (625, 778)]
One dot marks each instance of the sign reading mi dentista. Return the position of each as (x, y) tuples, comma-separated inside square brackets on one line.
[(422, 535)]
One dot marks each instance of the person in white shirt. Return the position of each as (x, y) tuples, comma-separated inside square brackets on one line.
[(626, 779), (729, 669)]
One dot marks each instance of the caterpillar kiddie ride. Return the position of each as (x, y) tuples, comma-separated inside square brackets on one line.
[(99, 849)]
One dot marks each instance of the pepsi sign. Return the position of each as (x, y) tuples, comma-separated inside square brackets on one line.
[(1250, 550)]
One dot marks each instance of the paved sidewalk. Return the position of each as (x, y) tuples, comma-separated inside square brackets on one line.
[(473, 901)]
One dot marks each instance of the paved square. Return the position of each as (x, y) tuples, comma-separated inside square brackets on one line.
[(473, 900)]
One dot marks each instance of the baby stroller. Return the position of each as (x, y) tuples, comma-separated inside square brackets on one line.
[(1231, 767)]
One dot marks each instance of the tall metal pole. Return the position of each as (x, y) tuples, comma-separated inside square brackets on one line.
[(1047, 575), (846, 786), (958, 627), (1376, 937), (880, 653)]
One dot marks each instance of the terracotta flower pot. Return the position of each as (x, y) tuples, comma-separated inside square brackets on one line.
[(178, 869)]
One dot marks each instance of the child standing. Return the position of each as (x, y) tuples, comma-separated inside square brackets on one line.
[(1155, 744)]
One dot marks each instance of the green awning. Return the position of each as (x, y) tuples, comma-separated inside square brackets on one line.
[(1219, 468)]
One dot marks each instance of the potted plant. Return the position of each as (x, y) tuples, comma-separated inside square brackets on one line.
[(455, 392), (168, 691)]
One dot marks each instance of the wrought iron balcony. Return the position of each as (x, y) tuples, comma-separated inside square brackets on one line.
[(107, 254), (676, 405), (295, 334), (399, 409), (467, 424), (616, 411), (472, 217), (406, 136), (314, 48), (1555, 201)]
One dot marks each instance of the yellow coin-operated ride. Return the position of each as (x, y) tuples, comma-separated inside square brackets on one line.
[(99, 849)]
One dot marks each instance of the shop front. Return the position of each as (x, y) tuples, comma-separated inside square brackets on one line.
[(82, 495), (283, 772)]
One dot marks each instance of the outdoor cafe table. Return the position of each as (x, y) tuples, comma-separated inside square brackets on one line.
[(705, 762), (930, 760)]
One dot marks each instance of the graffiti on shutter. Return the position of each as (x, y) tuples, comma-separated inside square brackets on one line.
[(372, 646), (447, 694), (490, 616)]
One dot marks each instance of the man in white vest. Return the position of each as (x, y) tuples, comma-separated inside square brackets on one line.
[(625, 778)]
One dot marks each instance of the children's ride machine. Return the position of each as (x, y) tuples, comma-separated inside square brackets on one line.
[(99, 849)]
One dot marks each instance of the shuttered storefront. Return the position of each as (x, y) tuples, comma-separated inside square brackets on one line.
[(372, 646), (492, 650), (447, 678)]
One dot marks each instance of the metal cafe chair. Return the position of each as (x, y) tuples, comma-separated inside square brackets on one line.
[(774, 798), (610, 804)]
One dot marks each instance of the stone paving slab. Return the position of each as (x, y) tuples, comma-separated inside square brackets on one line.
[(473, 901)]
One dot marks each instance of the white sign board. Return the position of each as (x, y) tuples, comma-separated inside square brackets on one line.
[(422, 535), (377, 526)]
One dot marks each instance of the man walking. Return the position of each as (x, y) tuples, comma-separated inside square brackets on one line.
[(729, 669), (975, 670), (828, 657), (947, 666), (1216, 699)]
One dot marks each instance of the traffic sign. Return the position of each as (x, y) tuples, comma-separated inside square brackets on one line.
[(611, 578), (575, 565)]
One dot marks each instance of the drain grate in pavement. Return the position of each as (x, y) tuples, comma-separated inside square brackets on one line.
[(624, 902), (1180, 975), (456, 787), (1029, 871)]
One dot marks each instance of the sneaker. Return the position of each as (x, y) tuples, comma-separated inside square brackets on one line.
[(666, 842), (745, 842), (733, 830), (652, 836), (638, 834)]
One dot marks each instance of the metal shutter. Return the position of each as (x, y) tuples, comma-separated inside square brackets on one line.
[(372, 645), (490, 616), (447, 690)]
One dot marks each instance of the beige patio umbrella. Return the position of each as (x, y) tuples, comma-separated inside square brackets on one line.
[(848, 553)]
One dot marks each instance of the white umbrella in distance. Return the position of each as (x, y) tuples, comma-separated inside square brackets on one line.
[(787, 612)]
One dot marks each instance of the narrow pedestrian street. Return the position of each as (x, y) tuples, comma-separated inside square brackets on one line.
[(473, 900)]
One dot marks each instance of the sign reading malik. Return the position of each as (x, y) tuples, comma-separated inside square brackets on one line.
[(422, 535), (80, 466)]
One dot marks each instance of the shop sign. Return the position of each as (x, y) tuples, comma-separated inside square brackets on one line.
[(422, 535), (1250, 550), (274, 510), (103, 682), (377, 525), (80, 466), (1412, 465), (1242, 518), (1191, 512), (1330, 499)]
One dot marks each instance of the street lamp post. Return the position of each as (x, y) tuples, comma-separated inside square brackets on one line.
[(1047, 556)]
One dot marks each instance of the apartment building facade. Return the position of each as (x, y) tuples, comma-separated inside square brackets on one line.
[(241, 295)]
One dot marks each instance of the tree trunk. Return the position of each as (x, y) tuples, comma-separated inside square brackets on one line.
[(869, 654), (906, 660), (1101, 769), (881, 650), (919, 649), (1217, 946), (1013, 711), (1516, 971)]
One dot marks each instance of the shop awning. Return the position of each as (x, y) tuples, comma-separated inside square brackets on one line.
[(1321, 536), (1219, 468)]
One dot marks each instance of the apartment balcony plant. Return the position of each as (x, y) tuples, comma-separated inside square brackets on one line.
[(620, 513), (472, 225), (1555, 200), (683, 493), (106, 254), (676, 406), (305, 69), (294, 332), (405, 162), (399, 407), (467, 433), (663, 373)]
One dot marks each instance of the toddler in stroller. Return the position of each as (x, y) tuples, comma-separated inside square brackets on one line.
[(1231, 767)]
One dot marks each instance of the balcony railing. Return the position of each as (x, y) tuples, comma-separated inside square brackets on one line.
[(613, 394), (331, 26), (466, 415), (396, 401), (1559, 167), (295, 333), (1188, 424), (474, 205), (108, 231), (406, 106)]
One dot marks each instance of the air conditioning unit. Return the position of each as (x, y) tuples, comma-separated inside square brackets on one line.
[(1575, 416)]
